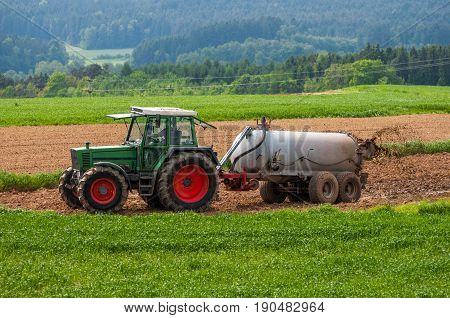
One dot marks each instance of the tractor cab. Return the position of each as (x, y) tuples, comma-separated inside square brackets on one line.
[(156, 138), (160, 126), (159, 131)]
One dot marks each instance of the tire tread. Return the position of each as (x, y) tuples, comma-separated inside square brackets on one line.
[(69, 198), (314, 185), (268, 194), (164, 186), (100, 169)]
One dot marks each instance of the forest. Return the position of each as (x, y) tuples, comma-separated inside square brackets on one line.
[(427, 65), (22, 53), (194, 31), (102, 24), (259, 41), (205, 47)]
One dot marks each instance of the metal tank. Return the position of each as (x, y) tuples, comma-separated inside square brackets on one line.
[(320, 167), (285, 154)]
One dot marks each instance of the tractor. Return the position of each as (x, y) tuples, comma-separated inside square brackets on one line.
[(160, 159)]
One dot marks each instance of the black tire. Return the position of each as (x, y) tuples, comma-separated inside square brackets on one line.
[(323, 188), (270, 192), (153, 202), (191, 171), (88, 184), (67, 189), (349, 187)]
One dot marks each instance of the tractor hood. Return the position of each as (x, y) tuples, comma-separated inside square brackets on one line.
[(84, 158)]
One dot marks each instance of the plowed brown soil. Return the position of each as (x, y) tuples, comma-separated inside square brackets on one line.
[(46, 148), (391, 180)]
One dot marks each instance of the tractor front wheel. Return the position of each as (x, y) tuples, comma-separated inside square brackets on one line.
[(188, 181), (68, 190), (102, 188)]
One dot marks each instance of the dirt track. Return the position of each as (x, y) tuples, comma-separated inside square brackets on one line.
[(46, 148), (391, 180)]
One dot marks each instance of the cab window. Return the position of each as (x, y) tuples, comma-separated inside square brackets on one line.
[(182, 131), (137, 129), (156, 134)]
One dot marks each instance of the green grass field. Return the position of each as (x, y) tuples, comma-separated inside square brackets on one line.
[(362, 101), (28, 182), (322, 252), (417, 147)]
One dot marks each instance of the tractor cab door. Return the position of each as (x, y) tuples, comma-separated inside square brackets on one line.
[(182, 132), (155, 143)]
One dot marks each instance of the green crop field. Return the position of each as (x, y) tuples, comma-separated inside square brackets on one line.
[(321, 252), (28, 182), (362, 101), (417, 147)]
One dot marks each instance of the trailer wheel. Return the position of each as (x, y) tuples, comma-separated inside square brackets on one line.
[(188, 181), (323, 188), (68, 190), (153, 202), (349, 187), (102, 188), (270, 192)]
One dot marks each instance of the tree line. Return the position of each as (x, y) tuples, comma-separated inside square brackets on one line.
[(102, 24), (427, 65)]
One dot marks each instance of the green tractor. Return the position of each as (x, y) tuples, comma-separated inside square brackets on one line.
[(160, 159)]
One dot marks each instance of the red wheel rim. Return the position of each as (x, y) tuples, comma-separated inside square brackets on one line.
[(103, 190), (191, 183)]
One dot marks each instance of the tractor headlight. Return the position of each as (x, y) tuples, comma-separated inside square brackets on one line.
[(74, 156)]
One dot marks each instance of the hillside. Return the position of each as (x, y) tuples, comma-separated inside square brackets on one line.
[(123, 24)]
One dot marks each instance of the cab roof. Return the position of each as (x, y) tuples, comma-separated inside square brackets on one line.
[(137, 111), (153, 111)]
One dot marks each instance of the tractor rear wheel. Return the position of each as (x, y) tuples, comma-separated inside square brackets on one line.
[(188, 181), (68, 190), (349, 187), (102, 188), (270, 192), (323, 188)]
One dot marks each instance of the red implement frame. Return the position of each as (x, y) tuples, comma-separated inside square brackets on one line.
[(244, 181)]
